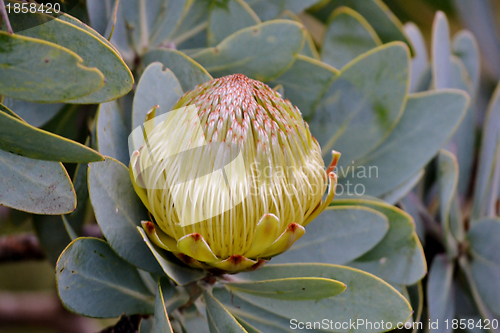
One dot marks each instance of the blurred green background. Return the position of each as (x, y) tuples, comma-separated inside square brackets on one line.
[(31, 284)]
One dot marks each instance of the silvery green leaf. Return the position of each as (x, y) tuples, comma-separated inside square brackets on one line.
[(35, 114), (23, 139), (429, 119), (119, 211), (338, 235), (366, 297), (309, 49), (75, 220), (147, 325), (93, 281), (363, 103), (465, 47), (268, 10), (447, 186), (487, 186), (41, 68), (412, 204), (292, 289), (35, 186), (405, 265), (479, 18), (191, 31), (483, 238), (170, 16), (112, 133), (186, 70), (219, 318), (228, 17), (401, 228), (162, 322), (462, 142), (399, 192), (94, 50), (347, 36), (420, 61), (157, 87), (440, 293), (441, 52), (386, 24), (305, 83), (261, 52)]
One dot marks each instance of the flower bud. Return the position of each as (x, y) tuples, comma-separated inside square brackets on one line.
[(231, 176)]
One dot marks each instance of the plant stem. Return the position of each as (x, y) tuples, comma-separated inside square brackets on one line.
[(188, 34), (5, 17), (115, 11), (483, 310)]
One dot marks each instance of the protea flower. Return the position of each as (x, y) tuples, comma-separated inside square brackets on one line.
[(231, 177)]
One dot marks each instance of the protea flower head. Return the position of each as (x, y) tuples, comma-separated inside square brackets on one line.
[(231, 176)]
